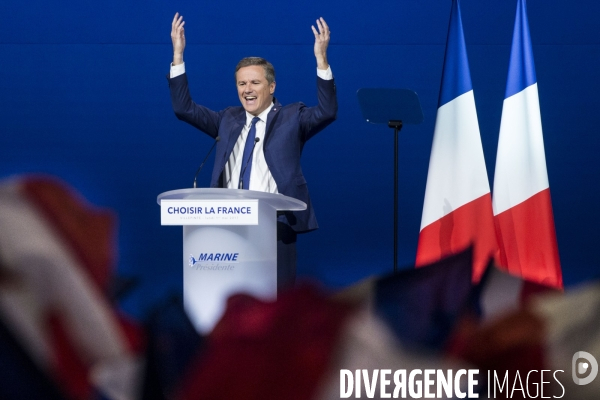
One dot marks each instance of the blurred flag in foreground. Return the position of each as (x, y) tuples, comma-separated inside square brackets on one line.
[(57, 256)]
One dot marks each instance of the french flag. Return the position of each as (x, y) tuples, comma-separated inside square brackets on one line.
[(457, 211), (522, 205)]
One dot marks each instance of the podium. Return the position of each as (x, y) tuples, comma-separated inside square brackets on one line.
[(229, 246)]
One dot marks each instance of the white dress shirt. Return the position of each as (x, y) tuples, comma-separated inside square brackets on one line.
[(260, 176)]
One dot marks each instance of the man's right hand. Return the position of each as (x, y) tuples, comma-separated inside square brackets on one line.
[(178, 38)]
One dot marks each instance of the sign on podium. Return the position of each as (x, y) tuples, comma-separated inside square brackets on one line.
[(229, 246)]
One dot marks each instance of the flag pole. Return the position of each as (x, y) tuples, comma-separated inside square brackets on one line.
[(396, 125)]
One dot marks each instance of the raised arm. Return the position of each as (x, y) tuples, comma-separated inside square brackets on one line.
[(185, 108), (178, 38), (314, 119), (321, 43)]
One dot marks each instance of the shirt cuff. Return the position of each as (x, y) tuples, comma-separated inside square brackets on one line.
[(179, 69), (325, 74)]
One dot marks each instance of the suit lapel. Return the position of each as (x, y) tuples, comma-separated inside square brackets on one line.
[(235, 132), (238, 123), (271, 117)]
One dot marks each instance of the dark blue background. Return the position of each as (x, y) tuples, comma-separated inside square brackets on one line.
[(84, 97)]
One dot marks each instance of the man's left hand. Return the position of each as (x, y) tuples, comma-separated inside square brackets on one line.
[(321, 43)]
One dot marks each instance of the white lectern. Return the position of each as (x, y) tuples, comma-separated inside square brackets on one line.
[(229, 246)]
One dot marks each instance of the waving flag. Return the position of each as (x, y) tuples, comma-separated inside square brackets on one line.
[(522, 205), (457, 211), (58, 250)]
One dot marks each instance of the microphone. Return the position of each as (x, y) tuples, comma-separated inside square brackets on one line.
[(240, 183), (205, 158)]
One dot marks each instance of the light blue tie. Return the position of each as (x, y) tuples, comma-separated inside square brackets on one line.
[(247, 157)]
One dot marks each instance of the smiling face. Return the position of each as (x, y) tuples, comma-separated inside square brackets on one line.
[(254, 91)]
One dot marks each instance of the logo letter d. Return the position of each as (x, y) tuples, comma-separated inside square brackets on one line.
[(583, 367)]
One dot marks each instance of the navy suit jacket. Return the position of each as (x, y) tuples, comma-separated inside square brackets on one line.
[(288, 128)]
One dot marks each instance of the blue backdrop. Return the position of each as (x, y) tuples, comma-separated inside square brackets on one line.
[(84, 97)]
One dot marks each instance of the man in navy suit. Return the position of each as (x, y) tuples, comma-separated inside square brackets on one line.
[(276, 135)]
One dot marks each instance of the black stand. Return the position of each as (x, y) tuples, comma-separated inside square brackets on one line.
[(396, 125), (391, 107)]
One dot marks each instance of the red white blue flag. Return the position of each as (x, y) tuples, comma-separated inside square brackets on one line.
[(457, 211), (522, 205)]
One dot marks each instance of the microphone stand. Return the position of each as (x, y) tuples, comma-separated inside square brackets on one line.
[(205, 158)]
